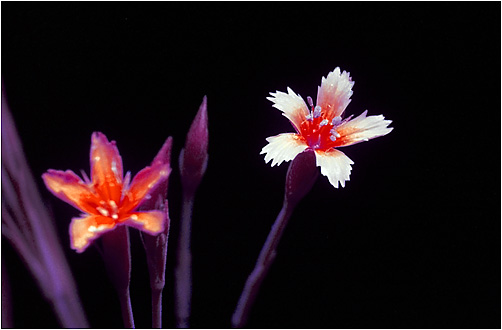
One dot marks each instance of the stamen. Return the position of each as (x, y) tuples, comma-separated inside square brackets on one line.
[(335, 133), (113, 205), (310, 102), (317, 111), (103, 211), (332, 138), (309, 117), (324, 122), (337, 120)]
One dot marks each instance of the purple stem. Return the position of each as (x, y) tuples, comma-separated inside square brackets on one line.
[(265, 259), (183, 272)]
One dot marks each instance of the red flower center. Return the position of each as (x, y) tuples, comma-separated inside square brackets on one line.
[(318, 131)]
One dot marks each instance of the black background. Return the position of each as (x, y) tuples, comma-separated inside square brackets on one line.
[(413, 240)]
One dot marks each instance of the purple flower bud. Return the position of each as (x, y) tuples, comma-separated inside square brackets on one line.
[(193, 158), (301, 176)]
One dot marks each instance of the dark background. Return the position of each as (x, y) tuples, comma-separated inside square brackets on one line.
[(412, 241)]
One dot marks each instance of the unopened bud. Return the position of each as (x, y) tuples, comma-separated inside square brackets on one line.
[(193, 157)]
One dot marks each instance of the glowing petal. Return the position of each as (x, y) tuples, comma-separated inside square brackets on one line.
[(106, 167), (83, 231), (292, 106), (335, 165), (363, 128), (143, 184), (283, 147), (334, 94), (68, 187), (152, 222)]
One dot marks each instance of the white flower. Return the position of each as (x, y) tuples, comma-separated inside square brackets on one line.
[(322, 128)]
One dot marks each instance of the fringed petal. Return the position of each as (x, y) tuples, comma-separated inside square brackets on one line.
[(68, 187), (151, 222), (335, 165), (362, 128), (83, 231), (292, 106), (334, 94), (283, 147), (106, 167)]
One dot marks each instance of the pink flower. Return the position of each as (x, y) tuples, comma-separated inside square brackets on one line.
[(108, 200), (322, 128)]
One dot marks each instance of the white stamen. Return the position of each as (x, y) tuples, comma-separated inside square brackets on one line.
[(134, 217), (335, 133), (317, 111), (113, 205), (332, 138), (309, 117), (336, 120), (115, 216), (324, 122), (103, 211), (310, 102)]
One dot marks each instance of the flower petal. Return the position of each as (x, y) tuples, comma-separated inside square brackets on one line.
[(106, 167), (362, 128), (283, 147), (152, 222), (68, 187), (335, 165), (334, 94), (143, 183), (292, 106), (83, 231)]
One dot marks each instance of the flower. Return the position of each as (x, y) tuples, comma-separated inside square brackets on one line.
[(108, 199), (322, 128)]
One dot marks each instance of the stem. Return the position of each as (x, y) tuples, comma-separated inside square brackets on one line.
[(265, 259), (183, 272), (125, 306), (156, 308)]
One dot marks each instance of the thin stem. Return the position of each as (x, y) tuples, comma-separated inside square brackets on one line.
[(183, 272), (125, 306), (265, 259), (157, 308)]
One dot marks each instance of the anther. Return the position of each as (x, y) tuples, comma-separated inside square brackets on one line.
[(335, 133), (324, 122), (310, 102), (309, 117), (332, 138), (103, 211), (317, 111), (337, 120)]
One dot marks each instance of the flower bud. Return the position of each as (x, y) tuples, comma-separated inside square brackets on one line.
[(193, 158)]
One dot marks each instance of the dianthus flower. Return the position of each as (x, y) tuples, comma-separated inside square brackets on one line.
[(322, 128), (107, 199)]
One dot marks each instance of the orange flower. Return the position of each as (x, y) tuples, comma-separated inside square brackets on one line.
[(107, 200)]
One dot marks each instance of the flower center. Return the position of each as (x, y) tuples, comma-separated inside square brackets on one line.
[(319, 131), (108, 209)]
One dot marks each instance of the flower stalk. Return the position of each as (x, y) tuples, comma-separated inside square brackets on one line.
[(156, 246), (192, 162), (116, 254), (300, 178)]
